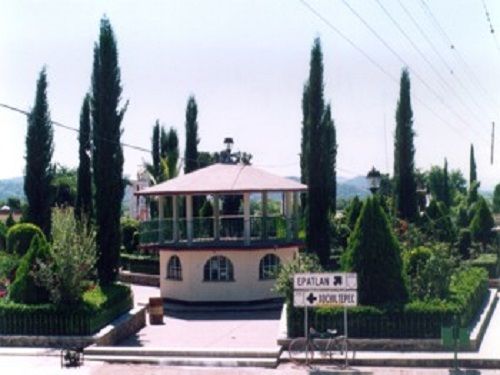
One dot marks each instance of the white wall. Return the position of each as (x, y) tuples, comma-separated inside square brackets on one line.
[(245, 287)]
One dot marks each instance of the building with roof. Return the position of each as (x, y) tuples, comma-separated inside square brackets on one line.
[(222, 233)]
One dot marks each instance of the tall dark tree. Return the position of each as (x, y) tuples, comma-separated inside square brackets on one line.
[(472, 167), (107, 153), (330, 157), (155, 169), (171, 150), (39, 149), (304, 146), (192, 140), (446, 185), (404, 154), (496, 199), (317, 159), (83, 204)]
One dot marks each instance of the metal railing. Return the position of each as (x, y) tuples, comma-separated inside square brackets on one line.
[(229, 228)]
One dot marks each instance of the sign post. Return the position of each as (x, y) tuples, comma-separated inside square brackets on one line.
[(325, 289)]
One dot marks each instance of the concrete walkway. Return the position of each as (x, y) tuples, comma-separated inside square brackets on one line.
[(216, 329)]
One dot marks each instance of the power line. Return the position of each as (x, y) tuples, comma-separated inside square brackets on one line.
[(439, 55), (353, 45), (457, 54), (443, 81), (403, 61), (375, 63), (73, 129), (492, 30)]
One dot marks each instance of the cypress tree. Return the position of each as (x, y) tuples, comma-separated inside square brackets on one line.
[(83, 206), (496, 199), (472, 167), (192, 140), (330, 150), (319, 193), (446, 185), (404, 154), (39, 150), (375, 255), (304, 146), (172, 152), (482, 223), (155, 153), (108, 154)]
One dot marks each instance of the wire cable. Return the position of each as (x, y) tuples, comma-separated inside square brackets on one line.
[(73, 129), (375, 63), (444, 83), (458, 56), (440, 57), (404, 62)]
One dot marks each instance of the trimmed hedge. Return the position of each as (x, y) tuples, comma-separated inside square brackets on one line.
[(47, 319), (149, 264), (489, 262), (19, 237), (417, 319)]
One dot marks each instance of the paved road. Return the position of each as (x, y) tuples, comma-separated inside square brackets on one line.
[(51, 366)]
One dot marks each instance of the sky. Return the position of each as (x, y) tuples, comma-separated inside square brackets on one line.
[(246, 63)]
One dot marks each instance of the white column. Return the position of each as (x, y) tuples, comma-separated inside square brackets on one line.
[(246, 217), (161, 204), (189, 218), (288, 214), (216, 217), (175, 218)]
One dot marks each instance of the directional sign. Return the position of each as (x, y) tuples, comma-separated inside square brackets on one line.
[(325, 298), (325, 281)]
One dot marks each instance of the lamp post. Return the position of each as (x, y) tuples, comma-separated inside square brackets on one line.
[(373, 178)]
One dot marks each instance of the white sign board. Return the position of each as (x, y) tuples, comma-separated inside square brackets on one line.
[(325, 281), (311, 298)]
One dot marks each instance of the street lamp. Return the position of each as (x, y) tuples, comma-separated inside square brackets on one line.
[(373, 178)]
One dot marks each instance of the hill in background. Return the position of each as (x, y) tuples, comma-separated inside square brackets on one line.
[(347, 188)]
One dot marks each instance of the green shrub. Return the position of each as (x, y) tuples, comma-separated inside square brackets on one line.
[(99, 307), (375, 255), (24, 289), (8, 265), (19, 237), (10, 222), (429, 271), (130, 234), (149, 264), (417, 319), (468, 289), (301, 263), (373, 322), (3, 235), (72, 260), (482, 223), (489, 262), (464, 243)]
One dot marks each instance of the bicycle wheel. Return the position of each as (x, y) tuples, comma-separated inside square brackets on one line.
[(297, 350)]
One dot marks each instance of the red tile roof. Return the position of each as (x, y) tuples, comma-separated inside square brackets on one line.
[(224, 178)]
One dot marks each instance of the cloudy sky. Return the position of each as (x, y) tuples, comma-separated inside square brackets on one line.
[(246, 63)]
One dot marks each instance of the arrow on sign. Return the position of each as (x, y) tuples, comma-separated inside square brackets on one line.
[(311, 298)]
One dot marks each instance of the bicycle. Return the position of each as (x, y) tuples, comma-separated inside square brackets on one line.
[(326, 344)]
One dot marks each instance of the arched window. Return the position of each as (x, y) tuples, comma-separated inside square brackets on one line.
[(269, 267), (218, 268), (174, 268)]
